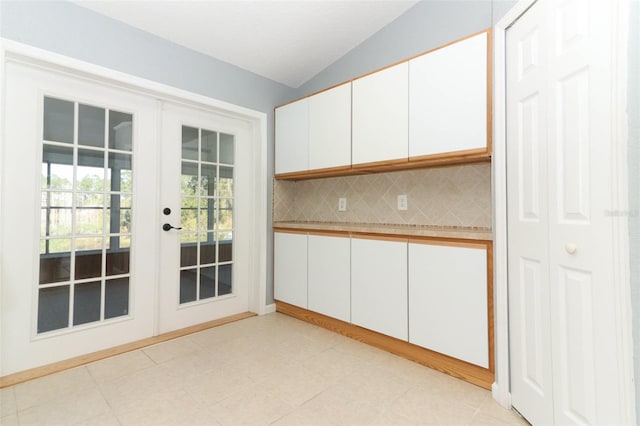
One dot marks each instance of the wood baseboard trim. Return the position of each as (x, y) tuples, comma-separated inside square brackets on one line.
[(45, 370), (471, 373)]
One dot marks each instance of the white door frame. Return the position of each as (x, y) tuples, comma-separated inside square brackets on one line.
[(620, 280), (258, 263)]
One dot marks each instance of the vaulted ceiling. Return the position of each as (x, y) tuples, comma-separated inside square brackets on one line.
[(286, 41)]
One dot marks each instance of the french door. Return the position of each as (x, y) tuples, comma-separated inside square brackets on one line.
[(87, 173), (205, 212)]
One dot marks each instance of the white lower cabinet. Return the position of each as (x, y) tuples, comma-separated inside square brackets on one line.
[(448, 307), (330, 276), (290, 268), (379, 286), (428, 293)]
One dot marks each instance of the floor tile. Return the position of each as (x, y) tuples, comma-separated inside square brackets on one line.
[(216, 386), (7, 402), (492, 411), (105, 419), (296, 384), (42, 390), (166, 351), (256, 406), (119, 366), (174, 407), (334, 365), (331, 408), (67, 409), (377, 385), (10, 420), (423, 406)]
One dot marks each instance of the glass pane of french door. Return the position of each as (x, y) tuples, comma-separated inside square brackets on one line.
[(206, 214), (85, 214)]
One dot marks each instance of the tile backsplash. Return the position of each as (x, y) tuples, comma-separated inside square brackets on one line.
[(454, 196)]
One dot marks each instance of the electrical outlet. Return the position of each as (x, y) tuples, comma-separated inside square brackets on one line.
[(402, 202), (342, 204)]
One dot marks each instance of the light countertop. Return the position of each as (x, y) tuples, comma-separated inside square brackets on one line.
[(457, 232)]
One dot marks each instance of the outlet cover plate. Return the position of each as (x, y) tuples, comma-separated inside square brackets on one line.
[(402, 202)]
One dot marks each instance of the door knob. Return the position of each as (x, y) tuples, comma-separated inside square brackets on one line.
[(571, 248), (168, 227)]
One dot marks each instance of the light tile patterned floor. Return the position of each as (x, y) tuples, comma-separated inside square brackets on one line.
[(270, 370)]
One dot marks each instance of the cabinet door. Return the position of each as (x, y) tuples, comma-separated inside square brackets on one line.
[(448, 301), (292, 137), (448, 98), (330, 128), (379, 286), (290, 268), (380, 115), (330, 276)]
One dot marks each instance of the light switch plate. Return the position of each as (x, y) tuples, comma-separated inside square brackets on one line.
[(342, 204), (402, 202)]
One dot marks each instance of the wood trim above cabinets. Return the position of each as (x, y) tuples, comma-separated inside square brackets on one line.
[(428, 161), (316, 174)]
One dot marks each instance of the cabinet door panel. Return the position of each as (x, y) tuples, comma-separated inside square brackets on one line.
[(292, 137), (448, 98), (379, 286), (380, 115), (448, 301), (290, 268), (330, 128), (330, 276)]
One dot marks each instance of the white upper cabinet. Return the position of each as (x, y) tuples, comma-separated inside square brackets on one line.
[(380, 115), (330, 128), (448, 99), (292, 137), (379, 286), (330, 276), (290, 268), (448, 306)]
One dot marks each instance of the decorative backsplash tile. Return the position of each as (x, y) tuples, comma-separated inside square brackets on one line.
[(445, 196)]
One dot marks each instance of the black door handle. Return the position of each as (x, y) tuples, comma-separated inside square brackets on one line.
[(168, 227)]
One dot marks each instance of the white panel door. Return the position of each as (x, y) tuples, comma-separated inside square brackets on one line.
[(330, 276), (379, 286), (568, 44), (448, 98), (586, 378), (78, 219), (330, 128), (448, 309), (290, 268), (529, 314), (380, 116), (292, 137)]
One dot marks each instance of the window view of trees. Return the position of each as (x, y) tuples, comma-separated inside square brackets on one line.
[(93, 211)]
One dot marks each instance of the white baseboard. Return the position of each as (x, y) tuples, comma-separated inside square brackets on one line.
[(269, 309), (502, 396)]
